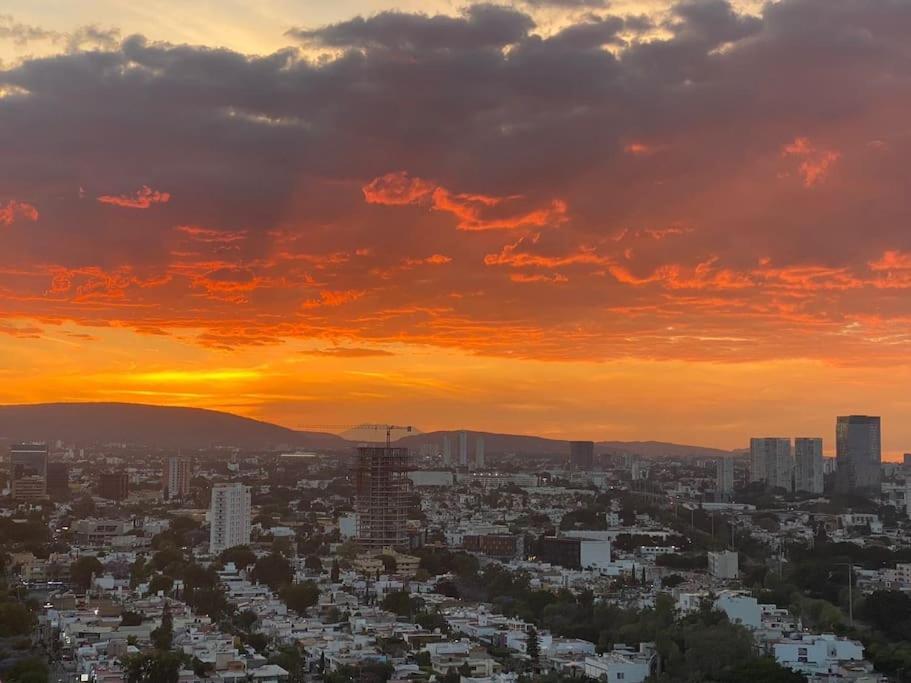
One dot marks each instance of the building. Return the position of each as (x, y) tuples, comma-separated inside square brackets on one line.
[(724, 479), (808, 461), (858, 454), (723, 564), (463, 449), (114, 485), (58, 479), (575, 552), (447, 450), (498, 546), (581, 455), (479, 458), (28, 471), (771, 462), (175, 480), (382, 496), (817, 655), (622, 664), (229, 517)]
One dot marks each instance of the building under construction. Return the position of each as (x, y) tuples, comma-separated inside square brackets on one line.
[(383, 497)]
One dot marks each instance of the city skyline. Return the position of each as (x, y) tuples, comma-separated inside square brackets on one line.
[(561, 219)]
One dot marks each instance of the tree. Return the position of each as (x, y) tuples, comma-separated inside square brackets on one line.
[(401, 603), (160, 667), (335, 572), (300, 596), (274, 570), (164, 634), (15, 619), (313, 563), (240, 555), (130, 618), (161, 582), (32, 670), (83, 569)]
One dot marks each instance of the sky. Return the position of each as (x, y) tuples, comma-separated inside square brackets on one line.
[(683, 221)]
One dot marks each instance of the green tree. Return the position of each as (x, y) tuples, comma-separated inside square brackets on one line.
[(158, 667), (240, 555), (274, 570), (335, 572), (83, 569), (164, 634), (313, 563), (300, 596), (533, 648)]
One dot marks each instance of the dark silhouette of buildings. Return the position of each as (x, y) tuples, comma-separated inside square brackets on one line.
[(58, 479), (114, 485), (581, 455), (858, 455), (28, 471)]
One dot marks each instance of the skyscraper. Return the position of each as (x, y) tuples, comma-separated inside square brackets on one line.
[(808, 465), (229, 517), (114, 485), (858, 455), (28, 470), (382, 496), (581, 455), (771, 462), (479, 457), (724, 478), (58, 479), (447, 450), (463, 449), (176, 478)]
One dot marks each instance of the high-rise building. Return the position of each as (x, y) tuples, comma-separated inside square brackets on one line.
[(175, 479), (463, 449), (581, 455), (114, 485), (58, 479), (858, 454), (229, 517), (724, 479), (771, 462), (808, 471), (382, 496), (479, 456), (28, 470), (447, 450)]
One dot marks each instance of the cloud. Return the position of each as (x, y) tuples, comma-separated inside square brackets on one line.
[(815, 163), (348, 352), (22, 34), (13, 210), (475, 212), (143, 198), (480, 26)]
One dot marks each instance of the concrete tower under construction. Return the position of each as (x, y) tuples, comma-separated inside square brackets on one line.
[(382, 497)]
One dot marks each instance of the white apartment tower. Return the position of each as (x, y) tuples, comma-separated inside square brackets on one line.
[(771, 462), (229, 517), (176, 478), (447, 451), (479, 452), (808, 473)]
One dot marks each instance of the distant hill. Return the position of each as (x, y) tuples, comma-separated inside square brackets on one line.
[(536, 445), (174, 427), (163, 426)]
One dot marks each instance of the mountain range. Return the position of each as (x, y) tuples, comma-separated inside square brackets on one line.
[(175, 427)]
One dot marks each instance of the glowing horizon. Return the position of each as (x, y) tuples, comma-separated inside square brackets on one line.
[(661, 221)]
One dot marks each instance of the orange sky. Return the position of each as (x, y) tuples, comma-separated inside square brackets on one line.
[(682, 222)]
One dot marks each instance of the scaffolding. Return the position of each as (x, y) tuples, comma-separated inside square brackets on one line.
[(383, 496)]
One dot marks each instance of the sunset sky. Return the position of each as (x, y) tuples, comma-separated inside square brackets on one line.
[(573, 218)]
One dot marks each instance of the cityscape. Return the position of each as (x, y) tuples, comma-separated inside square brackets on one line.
[(455, 341), (438, 556)]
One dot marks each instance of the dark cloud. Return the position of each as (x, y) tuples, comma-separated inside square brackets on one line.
[(694, 136), (569, 4), (481, 26)]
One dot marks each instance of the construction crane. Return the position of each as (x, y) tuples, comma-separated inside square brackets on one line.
[(378, 427)]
